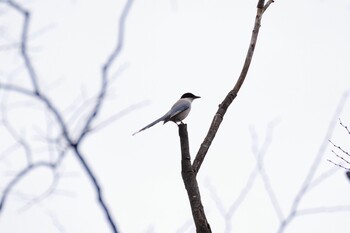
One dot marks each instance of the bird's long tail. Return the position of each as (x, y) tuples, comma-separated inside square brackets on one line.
[(150, 125)]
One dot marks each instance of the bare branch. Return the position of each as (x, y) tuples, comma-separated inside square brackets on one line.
[(338, 165), (259, 154), (264, 176), (45, 194), (52, 109), (189, 172), (340, 157), (105, 70), (17, 89), (243, 194), (18, 177), (325, 175), (215, 197), (345, 126), (229, 213), (191, 185), (267, 5), (324, 210), (20, 141), (316, 163), (261, 4), (55, 221), (24, 42), (214, 127), (31, 71), (341, 149)]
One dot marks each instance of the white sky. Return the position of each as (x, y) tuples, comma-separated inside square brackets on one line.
[(299, 72)]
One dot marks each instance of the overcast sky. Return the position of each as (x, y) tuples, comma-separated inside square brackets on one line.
[(300, 72)]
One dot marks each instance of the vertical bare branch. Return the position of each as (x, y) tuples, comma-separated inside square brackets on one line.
[(189, 172), (24, 42), (95, 112), (191, 185), (31, 71), (264, 176)]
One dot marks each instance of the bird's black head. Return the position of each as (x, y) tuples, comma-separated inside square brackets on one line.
[(189, 95)]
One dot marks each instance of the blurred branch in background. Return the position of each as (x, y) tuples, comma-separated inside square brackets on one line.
[(58, 145), (259, 154), (311, 181)]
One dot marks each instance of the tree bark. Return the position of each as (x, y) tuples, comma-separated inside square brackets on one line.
[(189, 171), (191, 185)]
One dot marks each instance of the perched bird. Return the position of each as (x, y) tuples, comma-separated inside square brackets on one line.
[(177, 113)]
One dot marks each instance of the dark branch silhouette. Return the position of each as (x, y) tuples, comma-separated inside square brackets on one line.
[(233, 93), (191, 184), (189, 172)]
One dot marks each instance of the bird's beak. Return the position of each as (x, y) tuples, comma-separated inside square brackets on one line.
[(197, 97)]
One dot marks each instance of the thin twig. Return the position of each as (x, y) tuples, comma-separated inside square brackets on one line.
[(345, 126), (340, 157), (338, 165), (339, 148)]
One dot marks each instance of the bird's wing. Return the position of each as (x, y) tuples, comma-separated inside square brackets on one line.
[(178, 109), (180, 106), (150, 125)]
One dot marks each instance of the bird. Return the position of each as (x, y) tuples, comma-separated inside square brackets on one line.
[(178, 112)]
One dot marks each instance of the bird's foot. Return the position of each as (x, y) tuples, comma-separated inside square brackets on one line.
[(180, 123)]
